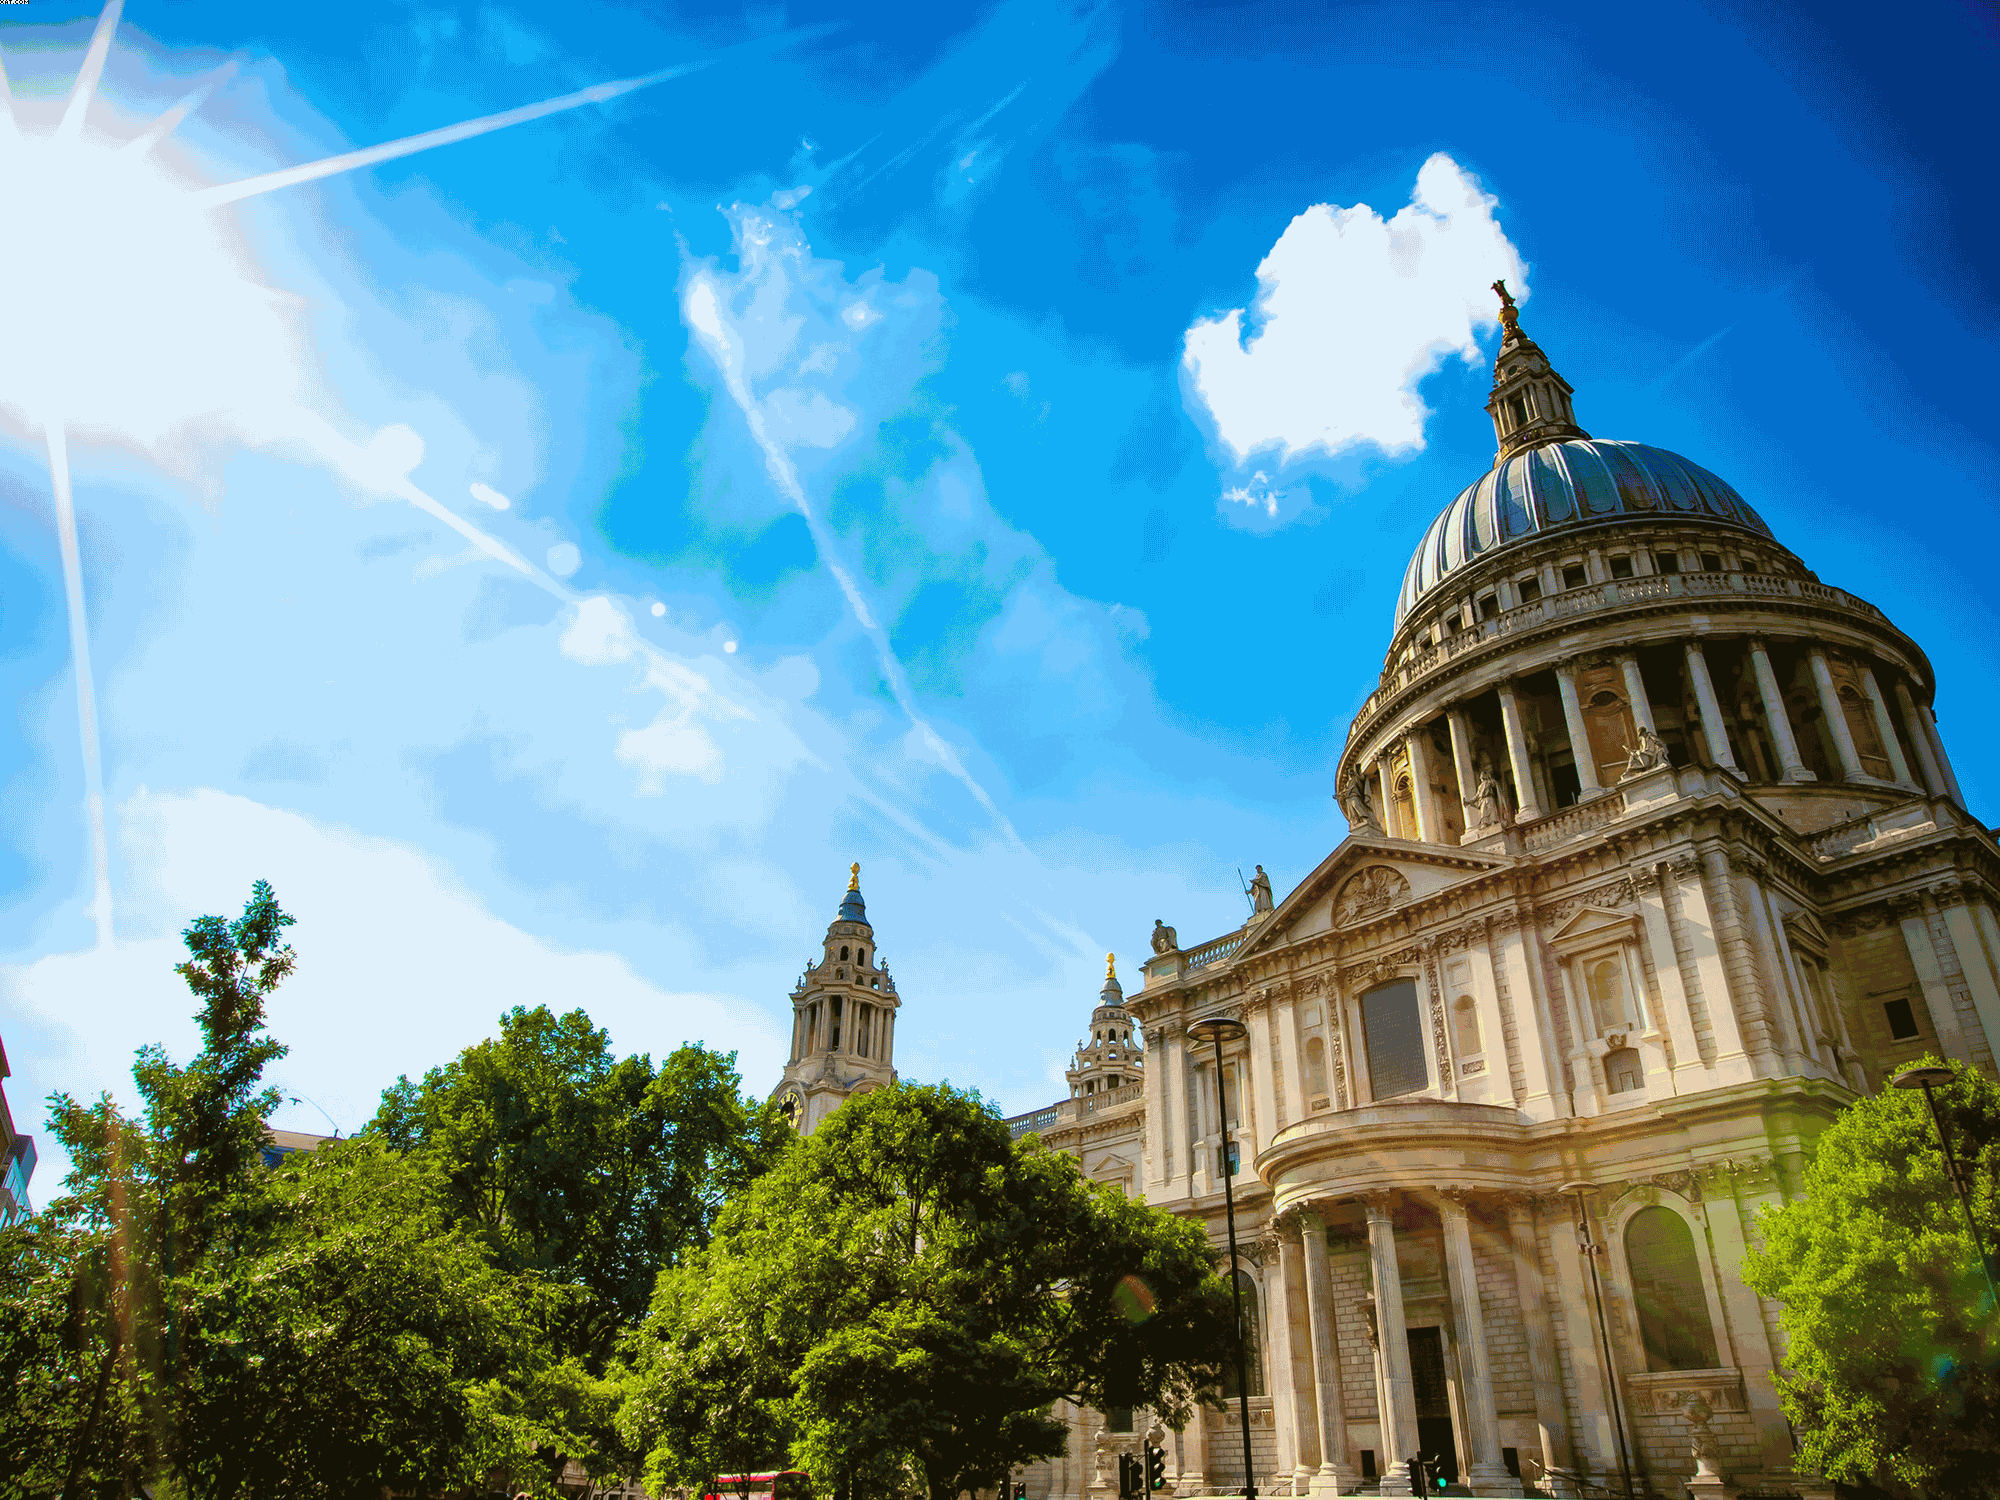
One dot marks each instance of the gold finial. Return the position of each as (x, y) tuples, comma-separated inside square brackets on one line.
[(1110, 966), (1508, 316), (854, 876)]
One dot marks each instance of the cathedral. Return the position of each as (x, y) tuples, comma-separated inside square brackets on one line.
[(1655, 860)]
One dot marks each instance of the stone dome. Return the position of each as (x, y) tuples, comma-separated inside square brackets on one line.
[(1557, 486)]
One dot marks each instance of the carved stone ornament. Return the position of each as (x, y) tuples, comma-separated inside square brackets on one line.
[(1165, 939), (1369, 893), (1684, 868)]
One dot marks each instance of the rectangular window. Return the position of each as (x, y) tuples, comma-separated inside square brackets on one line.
[(1711, 562), (1574, 576), (1749, 566), (1489, 606), (1511, 1457), (1393, 1029), (1902, 1024), (1530, 589), (1367, 1463), (1621, 566), (1453, 624), (1666, 562)]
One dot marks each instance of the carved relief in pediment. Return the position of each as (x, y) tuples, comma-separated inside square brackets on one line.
[(1369, 893)]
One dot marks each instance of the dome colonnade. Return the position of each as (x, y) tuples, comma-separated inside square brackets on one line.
[(1656, 861)]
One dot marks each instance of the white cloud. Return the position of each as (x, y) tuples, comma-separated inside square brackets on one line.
[(1352, 311), (399, 966)]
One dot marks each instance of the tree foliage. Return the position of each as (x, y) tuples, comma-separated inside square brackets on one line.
[(184, 1322), (593, 1171), (1894, 1353), (906, 1294)]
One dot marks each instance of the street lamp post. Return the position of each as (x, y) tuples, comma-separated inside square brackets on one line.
[(1959, 1172), (1220, 1029), (1582, 1191)]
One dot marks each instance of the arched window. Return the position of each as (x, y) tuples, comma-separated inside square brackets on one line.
[(1606, 980), (861, 957), (1316, 1067), (1666, 1289), (843, 950), (1253, 1341), (1465, 1026)]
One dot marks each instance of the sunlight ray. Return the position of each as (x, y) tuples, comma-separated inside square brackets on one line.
[(250, 187), (86, 78), (169, 122), (9, 132), (86, 692)]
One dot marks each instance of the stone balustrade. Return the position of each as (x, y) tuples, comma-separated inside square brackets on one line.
[(1213, 952), (1661, 590)]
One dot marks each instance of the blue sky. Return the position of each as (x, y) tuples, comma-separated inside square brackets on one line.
[(902, 461)]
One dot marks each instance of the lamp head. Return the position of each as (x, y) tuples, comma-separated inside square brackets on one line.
[(1921, 1078), (1218, 1029), (1579, 1190)]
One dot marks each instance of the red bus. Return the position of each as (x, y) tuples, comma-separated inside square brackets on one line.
[(784, 1484)]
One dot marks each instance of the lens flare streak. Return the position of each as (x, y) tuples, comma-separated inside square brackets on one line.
[(85, 88), (169, 122), (269, 182), (86, 692)]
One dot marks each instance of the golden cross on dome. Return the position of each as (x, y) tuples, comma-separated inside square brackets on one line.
[(1110, 966), (854, 876)]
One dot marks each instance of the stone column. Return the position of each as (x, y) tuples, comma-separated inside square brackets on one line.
[(1260, 1076), (1526, 807), (1156, 1173), (1544, 1368), (1713, 726), (1914, 920), (1486, 1471), (1418, 747), (1836, 718), (1295, 1397), (1392, 819), (1177, 1130), (1923, 726), (1919, 725), (1193, 1477), (1776, 718), (1461, 764), (1635, 693), (1334, 1474), (1885, 729), (1399, 1391), (1579, 737), (1962, 928)]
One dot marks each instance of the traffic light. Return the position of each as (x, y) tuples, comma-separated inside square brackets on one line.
[(1128, 1477), (1156, 1468), (1419, 1474)]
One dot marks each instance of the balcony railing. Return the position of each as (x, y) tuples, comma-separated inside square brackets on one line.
[(1570, 822), (1619, 593), (1036, 1122), (1215, 952)]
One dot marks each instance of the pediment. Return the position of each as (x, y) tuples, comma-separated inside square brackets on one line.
[(1365, 879), (1803, 930), (1594, 924)]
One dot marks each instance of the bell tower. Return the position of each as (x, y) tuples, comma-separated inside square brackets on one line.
[(843, 1020), (1111, 1059)]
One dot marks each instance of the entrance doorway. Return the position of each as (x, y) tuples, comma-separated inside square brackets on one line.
[(1434, 1434)]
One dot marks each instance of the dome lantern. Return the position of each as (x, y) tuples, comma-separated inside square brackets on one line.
[(1530, 404)]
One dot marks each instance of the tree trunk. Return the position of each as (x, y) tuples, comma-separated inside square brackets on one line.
[(81, 1446)]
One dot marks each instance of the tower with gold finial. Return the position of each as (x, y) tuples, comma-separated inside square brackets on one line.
[(1110, 1059), (1530, 404), (843, 1020)]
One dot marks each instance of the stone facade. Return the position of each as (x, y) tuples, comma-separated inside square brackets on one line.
[(1656, 860)]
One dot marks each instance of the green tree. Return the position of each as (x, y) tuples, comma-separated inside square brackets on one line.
[(1893, 1350), (593, 1171), (183, 1320), (907, 1293)]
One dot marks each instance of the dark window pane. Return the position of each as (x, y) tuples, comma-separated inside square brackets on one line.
[(1711, 562), (1574, 577), (1666, 562), (1621, 566), (1902, 1024), (1530, 589), (1394, 1032)]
